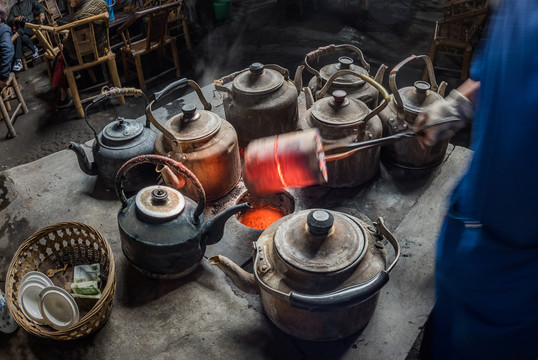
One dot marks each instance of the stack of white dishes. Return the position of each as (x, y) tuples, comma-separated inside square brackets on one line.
[(46, 304)]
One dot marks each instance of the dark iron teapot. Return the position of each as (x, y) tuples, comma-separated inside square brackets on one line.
[(400, 117), (354, 86), (162, 232), (119, 141), (318, 272)]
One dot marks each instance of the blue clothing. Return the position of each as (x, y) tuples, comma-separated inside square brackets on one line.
[(6, 51), (487, 256)]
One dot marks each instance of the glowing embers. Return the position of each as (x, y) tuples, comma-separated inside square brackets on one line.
[(266, 209)]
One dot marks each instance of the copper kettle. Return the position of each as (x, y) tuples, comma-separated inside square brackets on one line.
[(400, 116), (318, 272), (261, 101), (344, 119), (355, 86), (205, 143)]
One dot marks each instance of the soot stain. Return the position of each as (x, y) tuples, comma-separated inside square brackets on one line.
[(6, 191)]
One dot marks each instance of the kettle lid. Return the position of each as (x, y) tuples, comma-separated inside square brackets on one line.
[(258, 80), (344, 63), (418, 96), (121, 131), (320, 241), (338, 110), (158, 204), (194, 124)]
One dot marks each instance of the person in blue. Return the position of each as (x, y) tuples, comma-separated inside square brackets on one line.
[(19, 13), (486, 275), (6, 49)]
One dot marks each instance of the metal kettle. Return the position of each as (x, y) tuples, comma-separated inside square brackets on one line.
[(355, 87), (202, 141), (163, 233), (400, 117), (118, 142), (343, 119), (318, 272), (261, 101)]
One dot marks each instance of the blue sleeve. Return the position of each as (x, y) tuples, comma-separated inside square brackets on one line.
[(6, 47)]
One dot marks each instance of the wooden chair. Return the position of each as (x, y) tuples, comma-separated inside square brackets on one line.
[(11, 92), (177, 21), (157, 38), (50, 49), (456, 35), (88, 56), (52, 11)]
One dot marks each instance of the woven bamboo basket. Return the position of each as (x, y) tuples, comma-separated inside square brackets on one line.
[(45, 250)]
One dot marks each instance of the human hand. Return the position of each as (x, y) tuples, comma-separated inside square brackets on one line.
[(41, 18), (455, 105), (19, 18), (3, 84), (14, 36)]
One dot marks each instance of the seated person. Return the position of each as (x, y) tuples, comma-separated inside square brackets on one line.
[(19, 13), (83, 9), (6, 49)]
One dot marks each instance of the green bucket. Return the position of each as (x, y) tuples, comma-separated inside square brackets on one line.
[(223, 9)]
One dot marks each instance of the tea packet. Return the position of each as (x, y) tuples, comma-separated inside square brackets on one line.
[(85, 273)]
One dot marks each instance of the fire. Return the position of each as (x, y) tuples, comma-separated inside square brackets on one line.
[(260, 217)]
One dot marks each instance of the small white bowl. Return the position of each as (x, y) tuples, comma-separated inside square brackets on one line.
[(58, 308), (37, 275), (28, 298)]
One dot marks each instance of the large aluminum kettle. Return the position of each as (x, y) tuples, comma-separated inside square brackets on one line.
[(343, 119), (401, 114), (355, 86), (118, 142), (163, 233), (202, 141), (318, 272), (261, 101)]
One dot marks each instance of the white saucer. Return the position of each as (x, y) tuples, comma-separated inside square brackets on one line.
[(58, 307), (28, 298), (36, 275)]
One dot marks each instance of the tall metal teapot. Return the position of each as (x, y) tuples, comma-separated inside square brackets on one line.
[(119, 141), (206, 144), (163, 233), (401, 114), (261, 101), (354, 86), (318, 272), (343, 119)]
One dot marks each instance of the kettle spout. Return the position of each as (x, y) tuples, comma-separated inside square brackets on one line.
[(298, 79), (380, 73), (244, 280), (83, 162), (170, 178), (213, 229)]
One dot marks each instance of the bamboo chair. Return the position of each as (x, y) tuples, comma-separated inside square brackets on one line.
[(157, 39), (88, 56), (456, 35), (50, 50), (11, 92), (175, 20)]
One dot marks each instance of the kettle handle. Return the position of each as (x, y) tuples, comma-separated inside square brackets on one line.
[(394, 71), (167, 91), (351, 295), (384, 93), (325, 50), (109, 93), (164, 161)]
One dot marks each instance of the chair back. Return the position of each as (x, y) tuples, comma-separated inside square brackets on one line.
[(156, 22), (82, 33), (45, 35), (52, 10), (460, 28)]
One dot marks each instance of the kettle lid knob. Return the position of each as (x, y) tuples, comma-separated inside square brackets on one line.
[(345, 62), (319, 222), (256, 68), (189, 112)]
